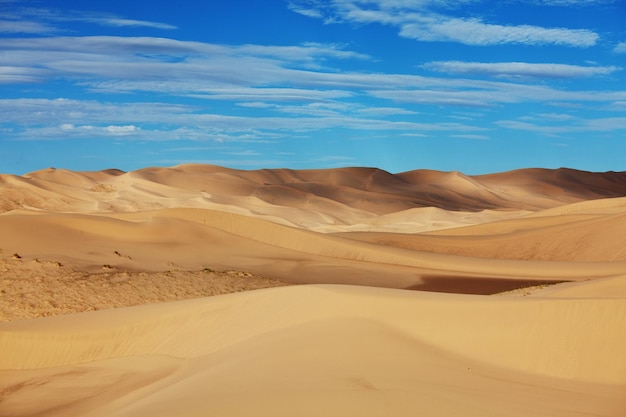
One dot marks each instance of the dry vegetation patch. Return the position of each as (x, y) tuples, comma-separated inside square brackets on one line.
[(35, 288)]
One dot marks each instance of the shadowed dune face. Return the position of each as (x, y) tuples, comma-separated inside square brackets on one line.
[(476, 285), (368, 189), (196, 216), (121, 208), (424, 292)]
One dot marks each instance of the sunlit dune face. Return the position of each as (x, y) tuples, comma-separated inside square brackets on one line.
[(326, 290)]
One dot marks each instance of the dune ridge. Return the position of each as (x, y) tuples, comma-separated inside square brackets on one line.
[(194, 239), (368, 189), (201, 290)]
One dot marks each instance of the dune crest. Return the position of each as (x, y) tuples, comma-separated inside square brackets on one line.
[(367, 189), (200, 290)]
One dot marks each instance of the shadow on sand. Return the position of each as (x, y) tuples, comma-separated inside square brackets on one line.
[(476, 285)]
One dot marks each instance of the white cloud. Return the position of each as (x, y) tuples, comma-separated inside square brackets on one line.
[(262, 74), (307, 52), (465, 98), (159, 64), (418, 20), (24, 26), (287, 85), (520, 69), (119, 22), (10, 74), (81, 112), (46, 20), (413, 135), (556, 116), (274, 94), (256, 104), (384, 111), (150, 121), (620, 48), (304, 10), (605, 124), (570, 3), (473, 137), (122, 130), (476, 32), (471, 93)]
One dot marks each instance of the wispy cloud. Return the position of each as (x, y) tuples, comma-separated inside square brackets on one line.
[(476, 32), (48, 20), (262, 74), (620, 48), (269, 94), (570, 3), (388, 111), (256, 104), (143, 63), (469, 136), (119, 22), (556, 116), (21, 26), (305, 10), (247, 152), (256, 93), (277, 82), (520, 69), (604, 124), (418, 20), (64, 118)]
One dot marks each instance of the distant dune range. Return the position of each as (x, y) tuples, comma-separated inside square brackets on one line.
[(370, 190), (427, 293)]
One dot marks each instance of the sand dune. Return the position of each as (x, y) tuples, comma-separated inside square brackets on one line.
[(590, 232), (323, 350), (498, 294), (362, 189), (193, 239)]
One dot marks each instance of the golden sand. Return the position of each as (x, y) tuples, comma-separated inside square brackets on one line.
[(421, 293)]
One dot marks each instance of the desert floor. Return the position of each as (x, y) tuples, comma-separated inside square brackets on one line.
[(199, 290)]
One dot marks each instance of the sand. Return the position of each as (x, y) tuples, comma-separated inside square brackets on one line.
[(199, 290)]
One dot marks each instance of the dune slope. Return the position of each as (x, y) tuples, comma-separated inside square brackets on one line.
[(576, 232), (194, 239), (419, 293), (328, 350)]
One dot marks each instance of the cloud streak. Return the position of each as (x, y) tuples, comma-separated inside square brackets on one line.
[(261, 73), (418, 20), (284, 86), (65, 118), (42, 21), (147, 58), (602, 124), (520, 69)]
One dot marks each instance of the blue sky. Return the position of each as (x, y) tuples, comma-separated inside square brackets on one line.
[(468, 85)]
